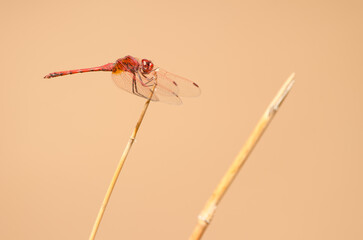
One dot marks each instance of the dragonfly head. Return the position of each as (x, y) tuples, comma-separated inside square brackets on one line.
[(147, 66)]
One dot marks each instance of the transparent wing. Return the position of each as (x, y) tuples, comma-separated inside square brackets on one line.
[(167, 96), (142, 85), (181, 86)]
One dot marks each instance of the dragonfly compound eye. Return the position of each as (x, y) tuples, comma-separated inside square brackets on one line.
[(147, 66)]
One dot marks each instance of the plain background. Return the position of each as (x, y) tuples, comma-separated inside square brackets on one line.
[(61, 139)]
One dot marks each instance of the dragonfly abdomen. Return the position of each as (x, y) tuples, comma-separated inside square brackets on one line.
[(106, 67)]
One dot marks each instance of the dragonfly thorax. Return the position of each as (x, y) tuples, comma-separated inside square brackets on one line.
[(127, 63)]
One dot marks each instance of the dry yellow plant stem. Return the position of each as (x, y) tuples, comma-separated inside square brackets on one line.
[(208, 211), (119, 167)]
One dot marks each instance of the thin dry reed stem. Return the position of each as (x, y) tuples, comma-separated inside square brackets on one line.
[(209, 209), (119, 167)]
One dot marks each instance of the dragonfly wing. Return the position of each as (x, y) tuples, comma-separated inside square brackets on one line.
[(182, 86), (167, 96)]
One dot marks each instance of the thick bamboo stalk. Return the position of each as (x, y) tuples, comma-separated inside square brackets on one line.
[(119, 167), (209, 209)]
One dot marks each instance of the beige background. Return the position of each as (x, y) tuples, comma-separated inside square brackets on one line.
[(61, 139)]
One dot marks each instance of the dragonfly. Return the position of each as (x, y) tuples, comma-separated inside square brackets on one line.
[(139, 76)]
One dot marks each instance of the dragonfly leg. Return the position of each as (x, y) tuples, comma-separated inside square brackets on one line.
[(146, 84), (134, 88)]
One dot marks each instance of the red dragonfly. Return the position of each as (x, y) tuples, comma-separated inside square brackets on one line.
[(138, 77)]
